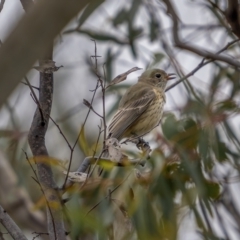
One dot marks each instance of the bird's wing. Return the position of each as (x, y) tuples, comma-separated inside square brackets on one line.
[(130, 111)]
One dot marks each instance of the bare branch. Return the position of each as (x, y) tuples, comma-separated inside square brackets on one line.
[(86, 103), (200, 65), (10, 225), (36, 139), (74, 145), (192, 48)]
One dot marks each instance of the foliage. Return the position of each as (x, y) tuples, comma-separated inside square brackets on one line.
[(196, 151)]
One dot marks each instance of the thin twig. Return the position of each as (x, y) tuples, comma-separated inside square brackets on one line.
[(38, 182), (200, 65), (74, 145), (110, 192), (103, 85), (35, 99), (86, 103), (69, 145), (31, 85), (192, 48)]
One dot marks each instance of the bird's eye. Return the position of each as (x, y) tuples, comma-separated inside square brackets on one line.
[(158, 75)]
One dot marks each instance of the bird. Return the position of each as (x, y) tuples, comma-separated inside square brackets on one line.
[(141, 107)]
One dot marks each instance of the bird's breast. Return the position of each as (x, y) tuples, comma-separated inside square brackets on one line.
[(150, 118)]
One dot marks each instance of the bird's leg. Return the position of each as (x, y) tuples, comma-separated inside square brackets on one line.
[(141, 145)]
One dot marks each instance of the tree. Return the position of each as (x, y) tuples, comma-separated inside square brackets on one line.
[(195, 152)]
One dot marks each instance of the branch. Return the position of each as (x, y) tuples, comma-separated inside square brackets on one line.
[(76, 141), (36, 139), (10, 225), (99, 161), (200, 65), (19, 201), (28, 36), (192, 48)]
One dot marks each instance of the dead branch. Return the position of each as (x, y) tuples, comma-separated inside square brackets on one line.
[(36, 139)]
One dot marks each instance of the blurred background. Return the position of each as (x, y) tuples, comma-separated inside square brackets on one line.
[(189, 188)]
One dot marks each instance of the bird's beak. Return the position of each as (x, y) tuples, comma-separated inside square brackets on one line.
[(171, 76)]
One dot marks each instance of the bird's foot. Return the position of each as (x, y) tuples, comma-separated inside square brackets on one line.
[(144, 146), (141, 145)]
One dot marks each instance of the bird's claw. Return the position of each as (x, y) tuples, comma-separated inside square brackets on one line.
[(144, 146)]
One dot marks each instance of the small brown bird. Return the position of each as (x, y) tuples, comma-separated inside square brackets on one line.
[(141, 107)]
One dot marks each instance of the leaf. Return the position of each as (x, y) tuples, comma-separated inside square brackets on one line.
[(153, 26), (213, 189), (120, 18), (189, 137), (227, 105), (122, 77), (133, 10), (87, 103), (220, 149), (91, 7), (158, 57), (83, 143), (106, 164), (216, 80), (195, 107), (169, 127), (47, 160), (133, 33), (108, 64), (99, 36)]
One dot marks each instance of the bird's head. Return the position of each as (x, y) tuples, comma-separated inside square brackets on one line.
[(156, 77)]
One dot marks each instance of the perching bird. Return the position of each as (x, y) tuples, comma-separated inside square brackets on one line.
[(141, 107)]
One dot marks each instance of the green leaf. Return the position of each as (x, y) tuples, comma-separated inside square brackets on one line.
[(227, 105), (170, 127), (83, 143), (153, 26), (190, 136), (158, 57), (220, 149), (213, 189), (100, 36), (108, 64), (133, 10), (216, 80), (91, 7), (195, 107), (120, 18)]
